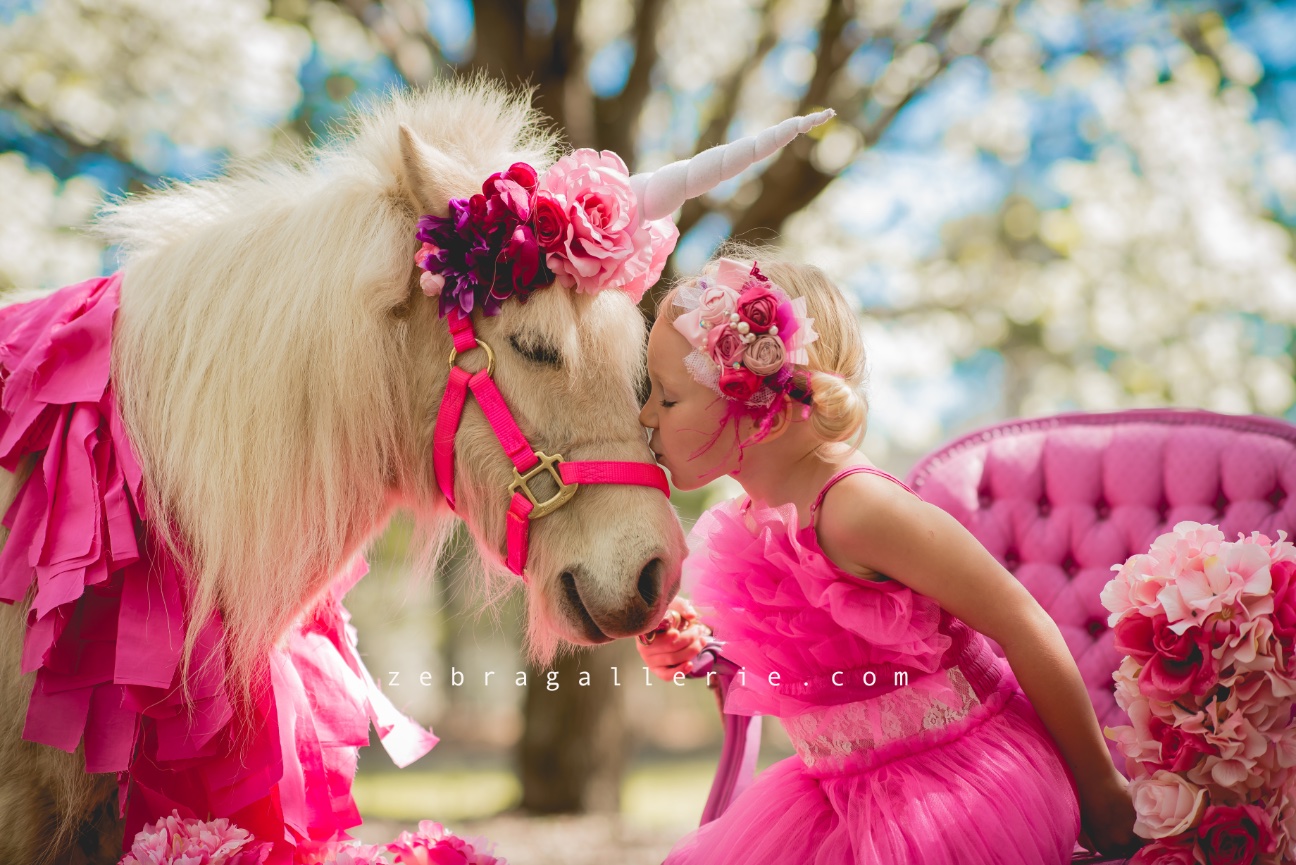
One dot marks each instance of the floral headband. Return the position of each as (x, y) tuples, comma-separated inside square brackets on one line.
[(748, 337), (577, 224), (586, 223)]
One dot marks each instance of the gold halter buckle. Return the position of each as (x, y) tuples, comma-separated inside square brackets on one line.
[(547, 464)]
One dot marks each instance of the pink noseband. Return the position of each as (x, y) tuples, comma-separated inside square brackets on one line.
[(527, 462)]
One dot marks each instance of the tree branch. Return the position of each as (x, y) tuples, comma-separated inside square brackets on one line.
[(834, 52), (558, 74), (501, 40), (617, 118), (792, 182), (731, 91), (74, 150)]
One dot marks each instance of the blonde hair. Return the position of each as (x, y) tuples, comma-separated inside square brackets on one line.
[(838, 363)]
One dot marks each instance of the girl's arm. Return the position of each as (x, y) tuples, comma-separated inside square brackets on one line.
[(870, 523)]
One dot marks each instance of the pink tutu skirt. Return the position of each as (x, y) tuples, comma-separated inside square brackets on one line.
[(993, 790)]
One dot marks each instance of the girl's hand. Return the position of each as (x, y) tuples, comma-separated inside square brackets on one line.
[(1107, 819), (673, 650)]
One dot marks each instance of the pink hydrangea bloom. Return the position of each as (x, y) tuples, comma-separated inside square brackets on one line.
[(177, 840), (1233, 577)]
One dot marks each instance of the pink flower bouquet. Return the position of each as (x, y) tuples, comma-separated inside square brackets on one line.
[(183, 841), (1208, 681)]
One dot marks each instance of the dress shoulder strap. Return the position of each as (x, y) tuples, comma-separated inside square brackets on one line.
[(850, 470)]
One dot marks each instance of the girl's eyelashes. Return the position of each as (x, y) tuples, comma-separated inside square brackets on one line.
[(667, 403)]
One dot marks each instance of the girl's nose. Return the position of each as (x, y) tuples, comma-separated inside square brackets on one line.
[(647, 417)]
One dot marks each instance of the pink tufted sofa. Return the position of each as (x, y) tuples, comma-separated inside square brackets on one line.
[(1059, 500)]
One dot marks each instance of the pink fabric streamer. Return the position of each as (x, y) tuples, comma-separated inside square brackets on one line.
[(109, 615)]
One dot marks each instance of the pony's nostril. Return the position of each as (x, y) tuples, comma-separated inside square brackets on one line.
[(577, 605), (650, 582)]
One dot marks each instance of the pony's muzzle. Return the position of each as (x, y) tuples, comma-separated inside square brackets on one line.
[(616, 617)]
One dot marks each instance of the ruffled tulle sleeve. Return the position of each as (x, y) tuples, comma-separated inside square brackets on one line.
[(782, 607), (108, 616)]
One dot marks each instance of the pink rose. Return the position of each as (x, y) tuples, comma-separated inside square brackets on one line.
[(431, 283), (1180, 750), (766, 355), (426, 251), (739, 383), (1166, 804), (604, 244), (1133, 636), (1182, 664), (550, 223), (758, 306), (1284, 598), (1168, 851), (1235, 835), (726, 346), (717, 303)]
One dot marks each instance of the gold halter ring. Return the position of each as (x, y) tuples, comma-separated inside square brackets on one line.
[(490, 357)]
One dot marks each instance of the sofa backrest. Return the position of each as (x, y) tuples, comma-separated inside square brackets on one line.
[(1060, 500)]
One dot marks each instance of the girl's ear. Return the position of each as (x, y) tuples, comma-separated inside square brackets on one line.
[(782, 421)]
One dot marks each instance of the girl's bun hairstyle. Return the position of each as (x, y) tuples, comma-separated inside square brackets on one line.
[(838, 364), (837, 411)]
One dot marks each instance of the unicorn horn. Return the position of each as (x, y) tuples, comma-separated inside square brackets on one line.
[(660, 192)]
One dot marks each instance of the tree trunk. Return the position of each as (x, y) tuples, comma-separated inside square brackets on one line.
[(572, 753)]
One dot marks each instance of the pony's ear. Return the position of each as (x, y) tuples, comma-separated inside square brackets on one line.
[(426, 174)]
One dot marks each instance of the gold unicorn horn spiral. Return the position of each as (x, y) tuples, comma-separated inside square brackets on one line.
[(660, 192)]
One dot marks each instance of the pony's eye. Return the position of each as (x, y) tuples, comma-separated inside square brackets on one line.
[(536, 351)]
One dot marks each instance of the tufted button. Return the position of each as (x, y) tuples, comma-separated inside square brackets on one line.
[(1095, 625), (1102, 510), (1220, 503), (1044, 507), (1163, 510), (1012, 559), (1277, 497), (1070, 566), (983, 498)]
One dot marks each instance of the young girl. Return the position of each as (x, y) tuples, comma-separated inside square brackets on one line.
[(829, 582)]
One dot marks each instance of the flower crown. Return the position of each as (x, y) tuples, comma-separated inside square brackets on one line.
[(578, 224), (586, 223), (748, 337)]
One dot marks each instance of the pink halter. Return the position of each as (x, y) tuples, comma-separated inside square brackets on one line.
[(528, 463)]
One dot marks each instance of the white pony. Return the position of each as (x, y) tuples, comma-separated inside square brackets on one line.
[(279, 372)]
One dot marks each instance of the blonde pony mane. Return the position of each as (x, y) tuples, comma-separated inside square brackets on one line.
[(259, 354)]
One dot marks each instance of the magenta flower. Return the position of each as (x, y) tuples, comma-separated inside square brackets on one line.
[(433, 844), (485, 250), (1235, 836)]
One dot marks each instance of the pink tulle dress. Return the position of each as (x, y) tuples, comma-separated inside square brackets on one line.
[(954, 767)]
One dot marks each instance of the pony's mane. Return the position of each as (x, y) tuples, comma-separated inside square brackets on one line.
[(273, 296)]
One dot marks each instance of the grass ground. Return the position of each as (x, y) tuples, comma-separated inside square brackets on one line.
[(660, 802)]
